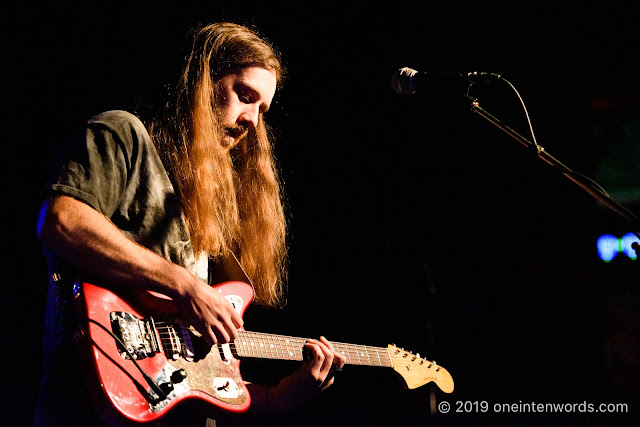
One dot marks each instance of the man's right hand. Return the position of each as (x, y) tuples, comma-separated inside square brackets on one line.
[(209, 312), (90, 242)]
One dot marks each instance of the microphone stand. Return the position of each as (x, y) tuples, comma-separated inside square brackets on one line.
[(597, 193)]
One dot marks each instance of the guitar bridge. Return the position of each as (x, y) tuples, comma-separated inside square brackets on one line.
[(137, 335)]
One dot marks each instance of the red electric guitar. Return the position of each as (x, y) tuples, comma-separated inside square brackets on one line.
[(146, 361)]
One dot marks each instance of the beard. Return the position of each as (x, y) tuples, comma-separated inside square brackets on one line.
[(229, 134), (209, 191), (232, 135)]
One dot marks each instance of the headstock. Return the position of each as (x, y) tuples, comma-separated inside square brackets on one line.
[(417, 371)]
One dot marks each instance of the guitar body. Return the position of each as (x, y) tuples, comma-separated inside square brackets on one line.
[(142, 361), (185, 368)]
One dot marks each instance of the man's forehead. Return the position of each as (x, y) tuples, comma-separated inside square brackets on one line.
[(259, 80)]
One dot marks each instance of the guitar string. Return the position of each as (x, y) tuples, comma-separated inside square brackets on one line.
[(271, 348), (279, 342), (275, 343), (286, 347), (350, 350), (277, 346), (283, 344)]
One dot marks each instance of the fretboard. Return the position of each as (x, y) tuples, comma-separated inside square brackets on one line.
[(268, 346)]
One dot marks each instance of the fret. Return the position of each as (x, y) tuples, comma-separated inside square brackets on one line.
[(362, 357), (272, 347), (385, 360), (342, 349), (379, 363)]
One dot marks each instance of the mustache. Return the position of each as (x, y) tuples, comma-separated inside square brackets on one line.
[(236, 131)]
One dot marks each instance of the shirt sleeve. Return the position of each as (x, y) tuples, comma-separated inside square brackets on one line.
[(96, 166)]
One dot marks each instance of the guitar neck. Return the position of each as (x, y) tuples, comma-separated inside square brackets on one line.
[(268, 346)]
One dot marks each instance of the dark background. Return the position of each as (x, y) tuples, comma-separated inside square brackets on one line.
[(413, 221)]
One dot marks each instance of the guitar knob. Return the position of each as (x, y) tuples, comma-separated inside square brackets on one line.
[(167, 387), (178, 376)]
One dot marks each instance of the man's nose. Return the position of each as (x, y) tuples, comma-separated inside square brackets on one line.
[(250, 115)]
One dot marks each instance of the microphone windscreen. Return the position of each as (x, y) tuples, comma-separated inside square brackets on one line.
[(401, 81)]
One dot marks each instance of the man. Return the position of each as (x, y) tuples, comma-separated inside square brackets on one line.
[(162, 206)]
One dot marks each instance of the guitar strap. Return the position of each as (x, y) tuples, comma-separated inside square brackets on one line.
[(227, 268)]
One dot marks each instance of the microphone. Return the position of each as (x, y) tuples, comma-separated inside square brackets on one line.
[(407, 81)]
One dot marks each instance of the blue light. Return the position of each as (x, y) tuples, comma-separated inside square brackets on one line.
[(625, 245), (608, 247)]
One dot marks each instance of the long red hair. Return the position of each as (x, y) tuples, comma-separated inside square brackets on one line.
[(231, 197)]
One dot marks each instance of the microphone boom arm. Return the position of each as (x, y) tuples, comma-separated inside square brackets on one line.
[(598, 194)]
